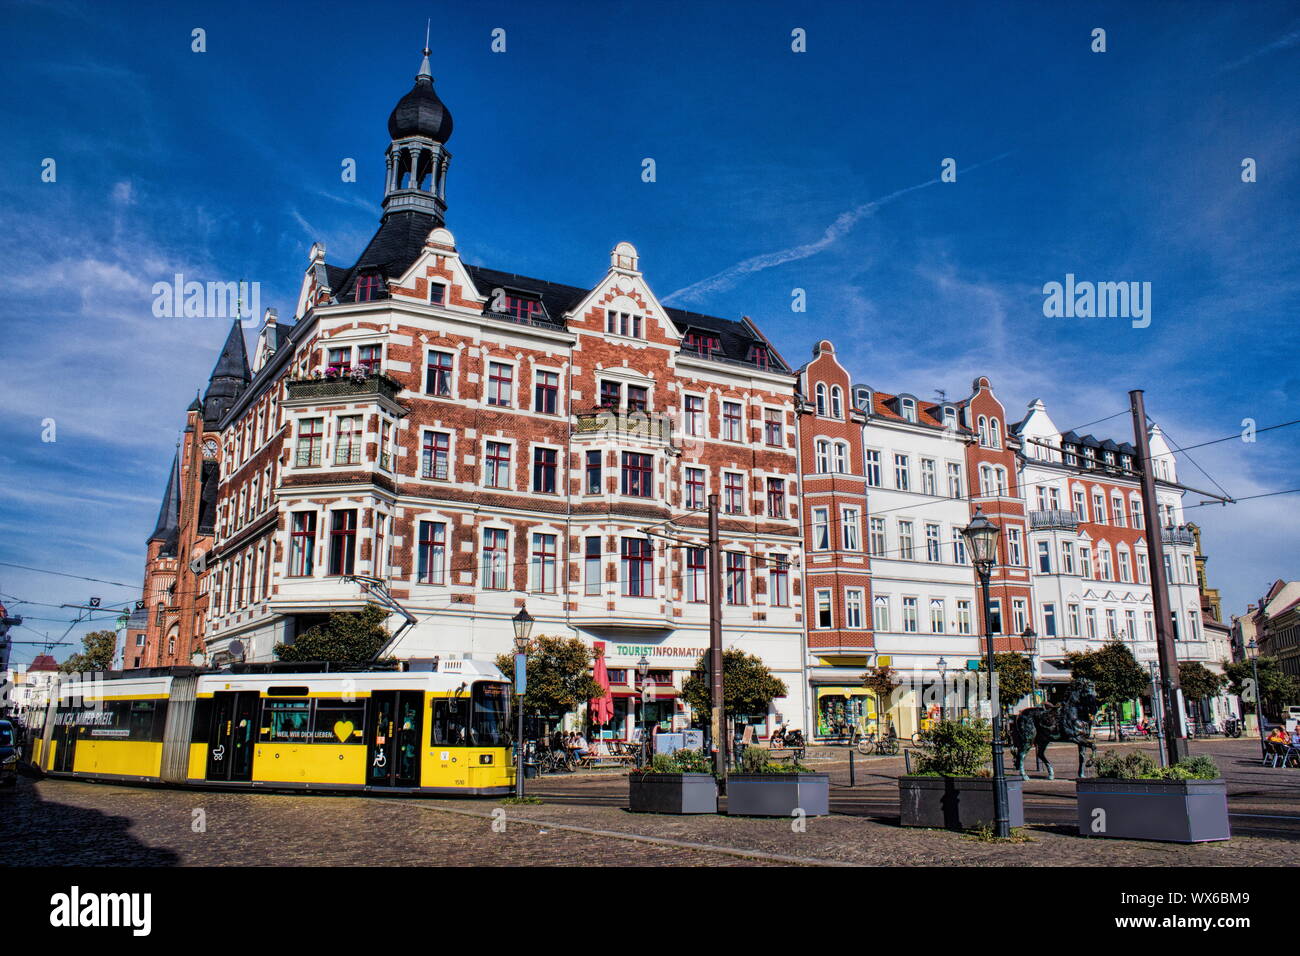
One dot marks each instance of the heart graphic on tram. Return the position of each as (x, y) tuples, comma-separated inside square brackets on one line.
[(343, 730)]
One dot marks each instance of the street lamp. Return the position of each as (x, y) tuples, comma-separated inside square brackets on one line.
[(523, 624), (1259, 719), (643, 672), (982, 541), (1031, 644), (943, 686)]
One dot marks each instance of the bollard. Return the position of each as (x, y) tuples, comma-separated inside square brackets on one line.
[(852, 778)]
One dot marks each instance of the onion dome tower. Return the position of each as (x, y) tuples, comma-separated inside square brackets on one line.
[(417, 157)]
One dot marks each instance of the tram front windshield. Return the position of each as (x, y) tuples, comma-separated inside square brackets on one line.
[(490, 715)]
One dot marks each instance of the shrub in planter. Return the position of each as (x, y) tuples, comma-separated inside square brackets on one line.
[(680, 782), (951, 786), (764, 788), (1132, 798)]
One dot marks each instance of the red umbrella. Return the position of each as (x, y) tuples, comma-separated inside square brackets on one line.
[(602, 708)]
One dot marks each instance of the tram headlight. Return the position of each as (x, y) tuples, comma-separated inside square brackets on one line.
[(484, 758)]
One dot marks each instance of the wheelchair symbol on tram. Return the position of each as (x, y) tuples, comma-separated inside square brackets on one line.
[(381, 759)]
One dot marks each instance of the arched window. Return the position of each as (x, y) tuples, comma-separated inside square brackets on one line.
[(995, 437), (821, 399), (841, 457), (823, 456), (837, 402), (909, 409), (984, 431)]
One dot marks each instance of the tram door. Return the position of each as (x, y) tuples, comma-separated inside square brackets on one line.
[(232, 735), (394, 738), (65, 744)]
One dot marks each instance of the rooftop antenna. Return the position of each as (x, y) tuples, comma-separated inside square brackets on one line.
[(943, 395)]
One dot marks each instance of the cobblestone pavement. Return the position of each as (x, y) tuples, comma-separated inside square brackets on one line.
[(584, 822), (66, 822)]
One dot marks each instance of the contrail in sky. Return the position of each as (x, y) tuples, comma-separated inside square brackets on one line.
[(843, 223)]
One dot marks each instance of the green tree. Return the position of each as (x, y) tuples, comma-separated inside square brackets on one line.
[(1276, 690), (1198, 681), (1015, 677), (346, 637), (748, 687), (1114, 672), (100, 646), (559, 674)]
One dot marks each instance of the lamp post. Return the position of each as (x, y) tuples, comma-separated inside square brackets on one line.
[(1259, 718), (1030, 639), (643, 672), (982, 540), (523, 624), (943, 687)]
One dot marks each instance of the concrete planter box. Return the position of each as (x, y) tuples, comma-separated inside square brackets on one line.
[(778, 794), (956, 803), (1175, 811), (672, 793)]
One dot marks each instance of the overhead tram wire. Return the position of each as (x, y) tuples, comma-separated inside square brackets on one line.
[(1152, 421)]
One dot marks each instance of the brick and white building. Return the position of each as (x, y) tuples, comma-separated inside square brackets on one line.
[(1087, 548), (478, 440)]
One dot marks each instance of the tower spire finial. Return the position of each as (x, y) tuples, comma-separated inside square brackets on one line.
[(424, 65)]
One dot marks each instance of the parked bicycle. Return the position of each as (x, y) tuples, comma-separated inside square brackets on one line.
[(880, 745)]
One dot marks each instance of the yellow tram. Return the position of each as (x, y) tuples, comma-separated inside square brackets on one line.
[(438, 731)]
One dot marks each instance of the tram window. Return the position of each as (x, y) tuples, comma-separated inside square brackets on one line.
[(142, 719), (449, 718), (202, 718), (490, 726), (337, 723), (287, 721)]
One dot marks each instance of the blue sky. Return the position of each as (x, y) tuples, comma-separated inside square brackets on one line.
[(775, 170)]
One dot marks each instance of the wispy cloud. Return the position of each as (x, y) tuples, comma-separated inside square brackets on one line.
[(1284, 42), (837, 230)]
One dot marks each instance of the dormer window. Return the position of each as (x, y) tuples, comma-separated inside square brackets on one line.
[(369, 287), (701, 343), (522, 307), (862, 399), (907, 408), (758, 355), (949, 417)]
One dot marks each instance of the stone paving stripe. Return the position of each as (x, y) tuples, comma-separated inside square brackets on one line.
[(662, 841)]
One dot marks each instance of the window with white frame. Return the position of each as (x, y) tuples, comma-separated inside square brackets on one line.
[(542, 564), (850, 529), (877, 540), (495, 559), (938, 616), (932, 543), (853, 600), (910, 624), (902, 473), (821, 529), (873, 468), (1019, 615), (1067, 557), (824, 616), (963, 616), (929, 477), (905, 540), (954, 480), (880, 612)]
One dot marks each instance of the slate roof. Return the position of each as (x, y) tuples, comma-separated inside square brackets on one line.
[(400, 240), (230, 376), (167, 528)]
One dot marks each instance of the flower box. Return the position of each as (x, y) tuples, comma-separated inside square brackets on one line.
[(672, 793), (956, 803), (1173, 811), (778, 794)]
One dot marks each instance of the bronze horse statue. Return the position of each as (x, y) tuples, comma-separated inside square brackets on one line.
[(1069, 721)]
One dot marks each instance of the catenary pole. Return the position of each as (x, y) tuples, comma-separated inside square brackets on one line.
[(1175, 741)]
